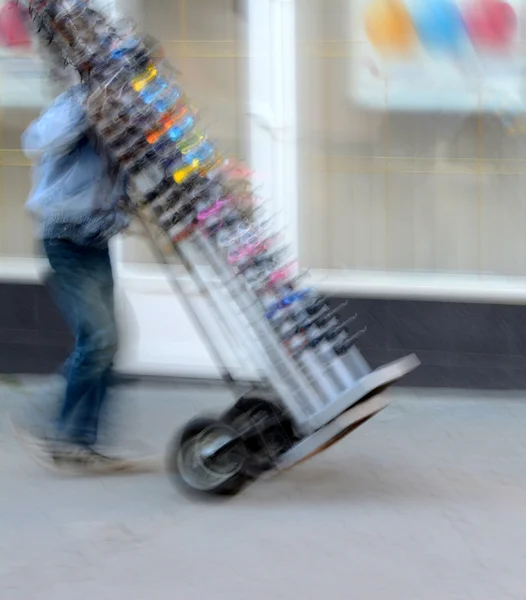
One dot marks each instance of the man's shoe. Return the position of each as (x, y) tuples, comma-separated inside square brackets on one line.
[(86, 459)]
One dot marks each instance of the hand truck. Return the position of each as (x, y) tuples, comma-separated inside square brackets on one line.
[(315, 387)]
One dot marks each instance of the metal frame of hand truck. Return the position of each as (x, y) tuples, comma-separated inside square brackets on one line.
[(243, 321)]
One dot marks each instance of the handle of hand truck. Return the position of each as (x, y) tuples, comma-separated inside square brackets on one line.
[(315, 307), (175, 217), (215, 208), (332, 333), (280, 274), (287, 301), (325, 318), (247, 252), (136, 164), (316, 320), (182, 235), (301, 330), (161, 189), (344, 347), (270, 259)]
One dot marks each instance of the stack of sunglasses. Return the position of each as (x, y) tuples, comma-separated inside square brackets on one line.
[(151, 131)]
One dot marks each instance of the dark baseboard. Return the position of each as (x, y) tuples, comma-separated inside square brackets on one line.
[(460, 345), (33, 335)]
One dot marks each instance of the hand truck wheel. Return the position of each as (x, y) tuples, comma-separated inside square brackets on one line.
[(209, 457), (266, 430)]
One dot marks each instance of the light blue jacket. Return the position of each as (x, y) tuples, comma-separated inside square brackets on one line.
[(74, 194)]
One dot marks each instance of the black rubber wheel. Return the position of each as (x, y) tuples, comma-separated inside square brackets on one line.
[(275, 439), (191, 467)]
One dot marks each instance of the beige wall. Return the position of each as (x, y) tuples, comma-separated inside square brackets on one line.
[(400, 192), (16, 235), (202, 39)]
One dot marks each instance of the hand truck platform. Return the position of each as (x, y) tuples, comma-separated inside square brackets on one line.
[(363, 402)]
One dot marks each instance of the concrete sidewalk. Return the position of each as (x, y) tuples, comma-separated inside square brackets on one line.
[(425, 502)]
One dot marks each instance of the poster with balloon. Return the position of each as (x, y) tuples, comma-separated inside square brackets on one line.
[(439, 55), (24, 76), (21, 70)]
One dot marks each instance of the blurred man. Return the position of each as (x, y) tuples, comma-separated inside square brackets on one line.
[(77, 201)]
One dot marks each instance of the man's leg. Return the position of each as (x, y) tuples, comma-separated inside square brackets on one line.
[(88, 419), (83, 288)]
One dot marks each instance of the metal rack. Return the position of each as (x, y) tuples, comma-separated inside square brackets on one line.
[(193, 210)]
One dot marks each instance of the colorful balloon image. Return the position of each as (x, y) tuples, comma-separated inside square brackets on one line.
[(389, 27), (439, 25), (491, 24)]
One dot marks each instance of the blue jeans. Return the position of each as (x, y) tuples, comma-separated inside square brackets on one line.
[(82, 286)]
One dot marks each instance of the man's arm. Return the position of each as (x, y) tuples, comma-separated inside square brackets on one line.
[(59, 127)]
